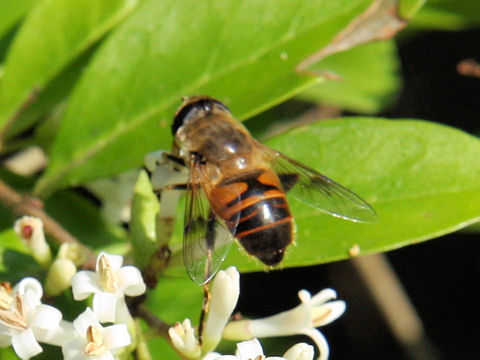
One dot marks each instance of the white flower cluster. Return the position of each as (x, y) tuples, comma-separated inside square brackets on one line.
[(312, 312), (25, 322)]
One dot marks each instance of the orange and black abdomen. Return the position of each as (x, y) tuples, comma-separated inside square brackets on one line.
[(263, 222)]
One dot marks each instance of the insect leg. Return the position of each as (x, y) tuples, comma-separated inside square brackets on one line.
[(167, 174), (175, 159), (176, 187)]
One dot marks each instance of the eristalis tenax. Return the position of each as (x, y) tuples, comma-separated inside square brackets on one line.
[(236, 189)]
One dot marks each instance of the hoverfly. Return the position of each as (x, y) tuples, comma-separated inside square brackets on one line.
[(236, 189)]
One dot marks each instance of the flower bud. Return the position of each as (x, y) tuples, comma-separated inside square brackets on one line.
[(59, 276), (30, 230), (224, 296), (72, 251)]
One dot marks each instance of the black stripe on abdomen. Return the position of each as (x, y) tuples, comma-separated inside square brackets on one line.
[(264, 212)]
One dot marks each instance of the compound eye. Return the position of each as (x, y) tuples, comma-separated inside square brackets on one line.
[(202, 106), (182, 115)]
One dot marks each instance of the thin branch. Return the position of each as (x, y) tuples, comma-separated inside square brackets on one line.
[(155, 323), (26, 205)]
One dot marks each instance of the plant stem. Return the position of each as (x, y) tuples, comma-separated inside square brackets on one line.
[(26, 205)]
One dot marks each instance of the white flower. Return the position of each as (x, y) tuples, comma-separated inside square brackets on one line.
[(225, 291), (252, 350), (30, 230), (92, 341), (109, 284), (183, 339), (311, 313), (24, 320)]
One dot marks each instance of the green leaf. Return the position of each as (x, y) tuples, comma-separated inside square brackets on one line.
[(15, 259), (12, 12), (474, 228), (175, 299), (145, 208), (170, 49), (369, 78), (82, 219), (408, 8), (421, 178), (8, 354), (57, 90), (46, 43), (447, 15)]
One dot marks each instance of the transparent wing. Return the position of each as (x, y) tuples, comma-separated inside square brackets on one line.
[(206, 238), (318, 191)]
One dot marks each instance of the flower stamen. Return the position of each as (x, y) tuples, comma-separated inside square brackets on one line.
[(16, 318), (108, 278), (6, 298), (95, 345), (320, 315)]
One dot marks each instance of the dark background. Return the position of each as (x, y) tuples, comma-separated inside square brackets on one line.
[(441, 276)]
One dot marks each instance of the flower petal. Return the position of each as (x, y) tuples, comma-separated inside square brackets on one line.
[(250, 349), (300, 351), (46, 317), (25, 344), (116, 261), (320, 341), (214, 356), (323, 296), (225, 291), (84, 320), (85, 283), (104, 306), (105, 356), (5, 340), (31, 284), (183, 339), (328, 312), (63, 333), (116, 336), (30, 302), (74, 350), (130, 281)]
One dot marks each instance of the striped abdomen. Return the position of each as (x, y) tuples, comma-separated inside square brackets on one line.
[(265, 224)]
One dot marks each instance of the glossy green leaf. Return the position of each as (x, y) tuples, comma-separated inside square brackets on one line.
[(54, 93), (421, 178), (170, 49), (447, 15), (408, 8), (369, 78), (12, 11), (145, 208), (54, 34)]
